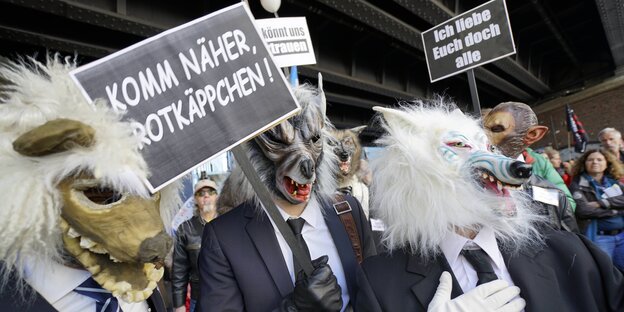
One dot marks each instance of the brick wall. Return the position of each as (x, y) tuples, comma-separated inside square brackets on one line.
[(596, 112)]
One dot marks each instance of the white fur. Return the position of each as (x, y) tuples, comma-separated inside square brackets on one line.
[(30, 207), (421, 196)]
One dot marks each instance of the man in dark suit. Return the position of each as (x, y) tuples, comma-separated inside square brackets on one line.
[(245, 263), (486, 230), (568, 273), (242, 266)]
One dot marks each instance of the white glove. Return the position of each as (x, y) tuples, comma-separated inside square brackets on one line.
[(488, 297)]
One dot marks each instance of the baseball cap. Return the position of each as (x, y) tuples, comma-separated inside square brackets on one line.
[(205, 183)]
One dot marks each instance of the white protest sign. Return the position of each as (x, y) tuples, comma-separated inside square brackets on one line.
[(288, 40), (194, 91)]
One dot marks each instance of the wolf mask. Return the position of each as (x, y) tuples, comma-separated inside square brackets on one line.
[(289, 157), (71, 185), (348, 149), (437, 174)]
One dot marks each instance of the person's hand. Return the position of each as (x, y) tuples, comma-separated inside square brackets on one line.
[(180, 309), (594, 204), (318, 292), (488, 297)]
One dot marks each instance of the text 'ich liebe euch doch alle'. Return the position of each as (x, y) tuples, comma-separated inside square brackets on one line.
[(201, 60), (466, 38)]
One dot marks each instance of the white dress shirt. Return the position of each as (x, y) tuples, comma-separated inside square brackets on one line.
[(56, 284), (320, 243), (465, 274)]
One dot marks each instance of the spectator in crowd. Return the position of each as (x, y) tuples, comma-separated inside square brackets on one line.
[(555, 161), (600, 201), (188, 243), (611, 140)]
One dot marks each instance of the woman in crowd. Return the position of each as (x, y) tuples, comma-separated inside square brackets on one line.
[(555, 159), (600, 201)]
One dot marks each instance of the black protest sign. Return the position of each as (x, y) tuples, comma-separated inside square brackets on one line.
[(476, 37), (194, 91)]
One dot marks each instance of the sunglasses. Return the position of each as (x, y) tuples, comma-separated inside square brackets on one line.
[(206, 192)]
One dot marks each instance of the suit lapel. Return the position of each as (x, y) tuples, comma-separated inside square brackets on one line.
[(537, 281), (428, 279), (155, 302), (262, 234), (343, 244)]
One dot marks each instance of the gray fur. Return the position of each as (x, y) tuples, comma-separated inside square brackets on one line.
[(282, 149)]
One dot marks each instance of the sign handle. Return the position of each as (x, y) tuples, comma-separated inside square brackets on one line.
[(474, 93), (265, 198)]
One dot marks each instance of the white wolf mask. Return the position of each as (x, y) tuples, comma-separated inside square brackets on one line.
[(436, 174), (81, 200)]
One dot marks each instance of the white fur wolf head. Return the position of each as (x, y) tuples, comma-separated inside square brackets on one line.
[(436, 174), (290, 157), (71, 184)]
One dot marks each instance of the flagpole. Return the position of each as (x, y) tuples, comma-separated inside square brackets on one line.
[(554, 132), (569, 150)]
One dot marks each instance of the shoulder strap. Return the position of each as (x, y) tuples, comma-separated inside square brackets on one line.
[(344, 211)]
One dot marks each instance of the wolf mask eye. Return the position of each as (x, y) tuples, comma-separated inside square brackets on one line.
[(102, 195), (96, 193), (497, 128), (459, 144), (273, 136), (315, 138), (348, 142), (331, 142)]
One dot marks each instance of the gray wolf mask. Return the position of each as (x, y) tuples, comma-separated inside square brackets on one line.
[(289, 157), (348, 149)]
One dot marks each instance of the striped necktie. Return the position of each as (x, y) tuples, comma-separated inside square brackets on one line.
[(105, 302)]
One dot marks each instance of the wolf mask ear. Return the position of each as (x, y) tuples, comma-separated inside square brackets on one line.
[(458, 111), (358, 130), (54, 136), (321, 95), (395, 118)]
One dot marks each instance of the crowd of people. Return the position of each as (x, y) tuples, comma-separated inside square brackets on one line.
[(581, 195), (595, 180), (469, 216)]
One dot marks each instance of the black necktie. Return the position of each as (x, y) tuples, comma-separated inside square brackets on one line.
[(296, 225), (480, 261)]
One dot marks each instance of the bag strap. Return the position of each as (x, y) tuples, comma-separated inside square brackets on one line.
[(344, 211)]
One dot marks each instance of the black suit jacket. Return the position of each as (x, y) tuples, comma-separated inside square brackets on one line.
[(241, 265), (568, 274)]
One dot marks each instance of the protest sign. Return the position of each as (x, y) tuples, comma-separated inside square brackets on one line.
[(194, 91), (476, 37), (288, 39)]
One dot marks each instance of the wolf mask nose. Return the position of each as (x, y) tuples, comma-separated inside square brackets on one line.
[(521, 170), (344, 156), (307, 168), (155, 248)]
